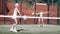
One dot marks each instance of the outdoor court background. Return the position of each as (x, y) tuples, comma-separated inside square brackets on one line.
[(31, 29)]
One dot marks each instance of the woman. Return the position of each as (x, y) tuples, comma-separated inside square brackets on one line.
[(41, 15), (13, 28)]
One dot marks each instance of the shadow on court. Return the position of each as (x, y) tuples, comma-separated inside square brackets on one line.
[(20, 30)]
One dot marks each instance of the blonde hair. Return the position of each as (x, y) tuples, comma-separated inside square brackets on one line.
[(16, 4)]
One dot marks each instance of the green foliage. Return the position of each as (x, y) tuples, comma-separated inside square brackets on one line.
[(58, 3), (50, 1)]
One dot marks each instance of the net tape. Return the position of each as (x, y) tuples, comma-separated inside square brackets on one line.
[(7, 16)]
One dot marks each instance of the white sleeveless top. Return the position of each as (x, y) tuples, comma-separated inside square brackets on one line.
[(41, 14), (15, 13)]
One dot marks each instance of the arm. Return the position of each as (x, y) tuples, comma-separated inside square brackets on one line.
[(45, 12), (36, 13), (18, 12)]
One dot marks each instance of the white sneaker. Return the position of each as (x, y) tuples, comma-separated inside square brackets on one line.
[(13, 30), (41, 25)]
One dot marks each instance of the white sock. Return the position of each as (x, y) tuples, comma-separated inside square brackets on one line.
[(14, 28)]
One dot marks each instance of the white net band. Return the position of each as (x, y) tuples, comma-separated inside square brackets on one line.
[(29, 17)]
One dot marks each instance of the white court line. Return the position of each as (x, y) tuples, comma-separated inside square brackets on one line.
[(7, 16)]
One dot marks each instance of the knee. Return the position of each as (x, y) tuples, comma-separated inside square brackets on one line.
[(14, 24), (39, 19)]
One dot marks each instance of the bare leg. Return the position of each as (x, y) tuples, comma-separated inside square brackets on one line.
[(42, 23), (39, 21), (14, 26)]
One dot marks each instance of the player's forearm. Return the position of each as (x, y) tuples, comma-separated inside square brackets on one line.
[(35, 13), (45, 12), (19, 13)]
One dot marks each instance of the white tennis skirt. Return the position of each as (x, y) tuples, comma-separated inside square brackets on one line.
[(14, 17)]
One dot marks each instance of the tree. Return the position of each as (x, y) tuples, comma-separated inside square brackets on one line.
[(50, 1)]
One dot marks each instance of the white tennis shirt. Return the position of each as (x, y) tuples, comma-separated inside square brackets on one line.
[(41, 14), (15, 13)]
